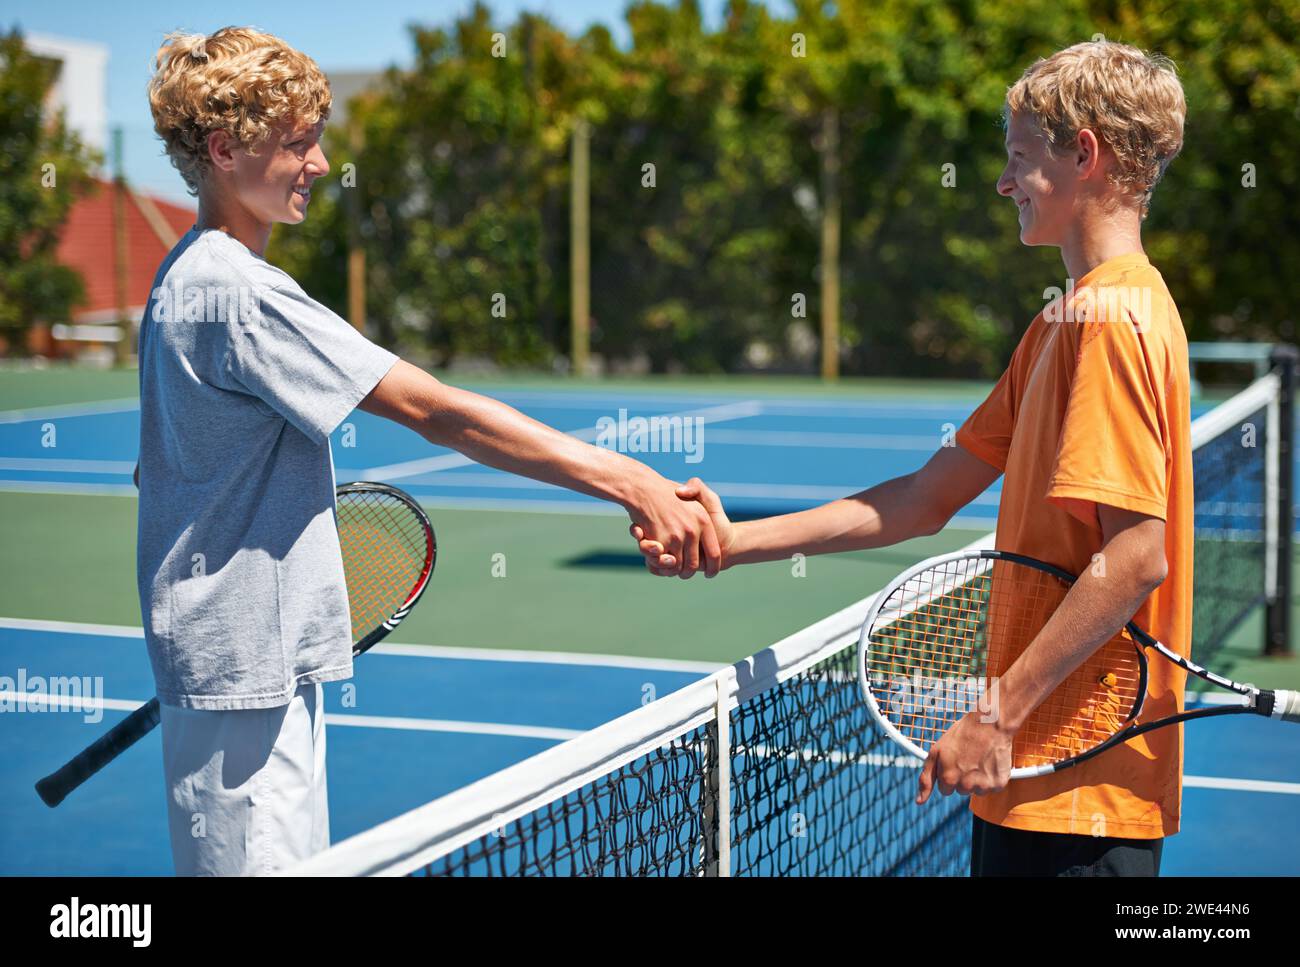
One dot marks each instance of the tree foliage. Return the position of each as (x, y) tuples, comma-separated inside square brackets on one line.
[(705, 189), (43, 169)]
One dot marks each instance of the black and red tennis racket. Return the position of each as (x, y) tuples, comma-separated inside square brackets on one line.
[(389, 550), (937, 639)]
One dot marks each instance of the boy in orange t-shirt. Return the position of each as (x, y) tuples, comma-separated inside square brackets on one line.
[(1090, 424)]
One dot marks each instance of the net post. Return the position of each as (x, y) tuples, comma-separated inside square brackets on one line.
[(717, 808), (1284, 358)]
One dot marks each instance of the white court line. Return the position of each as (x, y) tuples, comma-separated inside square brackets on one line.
[(452, 726), (68, 466), (82, 704), (447, 725), (504, 481), (70, 703), (548, 658), (821, 440), (407, 650), (67, 489), (71, 628), (873, 411), (772, 405), (522, 505), (573, 400), (572, 508), (69, 410), (1242, 785), (1213, 698), (411, 468)]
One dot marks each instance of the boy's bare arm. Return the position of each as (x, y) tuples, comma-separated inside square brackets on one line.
[(909, 506), (497, 435)]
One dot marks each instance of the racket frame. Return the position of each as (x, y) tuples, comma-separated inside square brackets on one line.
[(55, 787), (1278, 704), (381, 631)]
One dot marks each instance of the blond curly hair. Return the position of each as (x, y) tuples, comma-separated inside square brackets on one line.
[(238, 80), (1132, 101)]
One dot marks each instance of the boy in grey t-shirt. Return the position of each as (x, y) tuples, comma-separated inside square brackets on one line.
[(242, 379)]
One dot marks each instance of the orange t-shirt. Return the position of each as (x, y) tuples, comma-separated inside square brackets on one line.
[(1094, 409)]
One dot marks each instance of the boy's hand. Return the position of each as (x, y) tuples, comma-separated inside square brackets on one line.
[(661, 560), (973, 758), (681, 529)]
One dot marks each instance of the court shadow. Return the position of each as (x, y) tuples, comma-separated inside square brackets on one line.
[(606, 559)]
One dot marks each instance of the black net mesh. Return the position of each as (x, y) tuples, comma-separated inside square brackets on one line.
[(815, 787), (652, 817), (1231, 525), (819, 790)]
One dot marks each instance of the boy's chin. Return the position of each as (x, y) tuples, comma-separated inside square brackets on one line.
[(1032, 238)]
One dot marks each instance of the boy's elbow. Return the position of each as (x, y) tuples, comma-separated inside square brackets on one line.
[(932, 524), (1146, 572), (1155, 571), (933, 514)]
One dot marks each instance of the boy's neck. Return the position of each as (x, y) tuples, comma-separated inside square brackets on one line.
[(234, 220), (1098, 237)]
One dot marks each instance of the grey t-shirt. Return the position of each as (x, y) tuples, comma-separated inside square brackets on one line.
[(242, 379)]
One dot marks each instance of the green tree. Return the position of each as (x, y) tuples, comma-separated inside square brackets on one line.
[(463, 173), (462, 181), (43, 169)]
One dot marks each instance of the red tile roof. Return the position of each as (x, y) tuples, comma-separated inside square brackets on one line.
[(89, 244)]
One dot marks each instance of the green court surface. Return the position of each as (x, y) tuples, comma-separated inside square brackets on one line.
[(564, 582), (26, 386), (23, 386), (570, 583), (505, 579)]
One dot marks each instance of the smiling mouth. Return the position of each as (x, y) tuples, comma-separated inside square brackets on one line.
[(304, 193), (1022, 205)]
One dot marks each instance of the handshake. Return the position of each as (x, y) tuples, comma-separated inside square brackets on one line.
[(682, 530)]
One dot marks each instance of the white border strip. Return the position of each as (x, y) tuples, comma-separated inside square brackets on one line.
[(1233, 411), (69, 410), (1272, 491), (67, 489), (438, 828), (67, 466), (1242, 785), (446, 461), (452, 726), (413, 650)]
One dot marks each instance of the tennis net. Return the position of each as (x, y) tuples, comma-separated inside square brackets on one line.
[(773, 766), (1244, 515)]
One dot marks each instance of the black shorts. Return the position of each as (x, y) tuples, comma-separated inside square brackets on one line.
[(999, 851)]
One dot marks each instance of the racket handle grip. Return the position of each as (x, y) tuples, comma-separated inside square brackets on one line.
[(54, 788), (1286, 705)]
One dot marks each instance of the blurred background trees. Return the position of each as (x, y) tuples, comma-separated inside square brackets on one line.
[(711, 184), (43, 168)]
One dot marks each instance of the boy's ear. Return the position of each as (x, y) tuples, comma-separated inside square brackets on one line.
[(221, 150), (1087, 152)]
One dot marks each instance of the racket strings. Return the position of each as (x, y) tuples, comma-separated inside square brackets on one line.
[(385, 549), (943, 639)]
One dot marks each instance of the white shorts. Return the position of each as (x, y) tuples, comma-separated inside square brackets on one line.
[(246, 788)]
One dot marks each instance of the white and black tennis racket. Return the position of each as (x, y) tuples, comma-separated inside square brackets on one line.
[(389, 550), (938, 638)]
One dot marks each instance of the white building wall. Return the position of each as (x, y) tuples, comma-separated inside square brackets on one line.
[(81, 90)]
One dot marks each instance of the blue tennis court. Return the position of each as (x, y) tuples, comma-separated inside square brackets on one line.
[(418, 722)]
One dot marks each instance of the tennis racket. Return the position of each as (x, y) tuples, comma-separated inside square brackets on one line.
[(389, 550), (937, 639)]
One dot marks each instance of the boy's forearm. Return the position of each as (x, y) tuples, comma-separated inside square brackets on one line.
[(497, 435), (885, 514), (1092, 613)]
